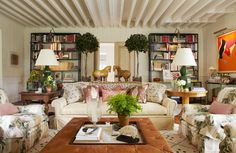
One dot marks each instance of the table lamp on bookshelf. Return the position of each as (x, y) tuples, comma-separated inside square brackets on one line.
[(46, 58), (184, 57)]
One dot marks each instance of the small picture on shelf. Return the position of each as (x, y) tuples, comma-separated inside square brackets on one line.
[(167, 76), (68, 77), (157, 65), (57, 76)]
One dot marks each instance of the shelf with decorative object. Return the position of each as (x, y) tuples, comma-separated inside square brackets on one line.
[(64, 46), (163, 47)]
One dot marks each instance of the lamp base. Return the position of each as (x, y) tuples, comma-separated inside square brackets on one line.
[(46, 71), (184, 72)]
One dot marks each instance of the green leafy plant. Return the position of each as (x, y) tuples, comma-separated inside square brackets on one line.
[(86, 43), (123, 104), (35, 75), (137, 43), (48, 82)]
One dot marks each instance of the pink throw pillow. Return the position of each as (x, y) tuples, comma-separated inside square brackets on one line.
[(106, 93), (140, 92), (221, 108), (8, 109), (87, 92)]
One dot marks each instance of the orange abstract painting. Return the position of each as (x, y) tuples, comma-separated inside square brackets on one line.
[(227, 52)]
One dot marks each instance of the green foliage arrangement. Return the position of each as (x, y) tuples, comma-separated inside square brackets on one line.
[(123, 104), (86, 43), (35, 75), (137, 43)]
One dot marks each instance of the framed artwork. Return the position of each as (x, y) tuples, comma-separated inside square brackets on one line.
[(227, 52), (14, 59)]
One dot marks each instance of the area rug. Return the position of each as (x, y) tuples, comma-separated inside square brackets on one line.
[(179, 143)]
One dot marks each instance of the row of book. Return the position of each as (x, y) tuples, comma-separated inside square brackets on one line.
[(53, 46), (167, 55), (55, 38), (172, 47), (173, 38)]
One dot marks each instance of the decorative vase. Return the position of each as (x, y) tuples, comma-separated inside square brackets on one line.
[(123, 120), (49, 89)]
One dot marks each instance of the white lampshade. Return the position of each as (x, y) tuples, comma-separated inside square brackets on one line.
[(184, 57), (46, 57)]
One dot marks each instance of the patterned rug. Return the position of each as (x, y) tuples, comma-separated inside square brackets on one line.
[(179, 143)]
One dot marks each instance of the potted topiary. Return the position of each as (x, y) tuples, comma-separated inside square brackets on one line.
[(86, 43), (124, 105), (137, 43)]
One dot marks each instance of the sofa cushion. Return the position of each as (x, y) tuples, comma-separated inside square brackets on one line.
[(107, 93), (81, 108), (155, 92), (140, 92), (8, 109)]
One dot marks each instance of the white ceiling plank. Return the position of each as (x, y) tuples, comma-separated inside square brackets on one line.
[(112, 10), (131, 12), (41, 12), (140, 13), (17, 15), (89, 4), (165, 12), (122, 3), (14, 17), (61, 12), (11, 5), (224, 5), (80, 10), (151, 11), (207, 8), (32, 13), (71, 12), (50, 11), (183, 9), (101, 11), (195, 9)]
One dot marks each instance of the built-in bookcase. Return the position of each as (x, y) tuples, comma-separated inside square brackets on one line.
[(64, 46), (163, 47)]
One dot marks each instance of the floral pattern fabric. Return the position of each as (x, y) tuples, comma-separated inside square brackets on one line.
[(72, 92), (155, 92), (22, 130)]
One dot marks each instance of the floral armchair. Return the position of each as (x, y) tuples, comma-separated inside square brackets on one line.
[(206, 130), (20, 131)]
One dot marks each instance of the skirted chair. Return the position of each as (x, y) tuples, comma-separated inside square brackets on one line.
[(20, 127), (203, 125)]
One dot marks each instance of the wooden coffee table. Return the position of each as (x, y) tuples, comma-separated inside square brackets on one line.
[(61, 143)]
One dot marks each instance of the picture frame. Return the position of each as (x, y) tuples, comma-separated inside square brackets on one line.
[(14, 59), (227, 52)]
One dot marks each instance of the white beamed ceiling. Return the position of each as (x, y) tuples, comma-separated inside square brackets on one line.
[(116, 13)]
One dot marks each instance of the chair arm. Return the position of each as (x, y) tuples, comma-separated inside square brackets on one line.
[(32, 109), (170, 104), (58, 104), (194, 108)]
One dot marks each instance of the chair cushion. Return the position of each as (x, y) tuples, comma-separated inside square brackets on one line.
[(155, 92), (220, 108), (8, 109)]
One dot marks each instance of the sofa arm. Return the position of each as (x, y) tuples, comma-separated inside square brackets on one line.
[(229, 143), (170, 104), (58, 104)]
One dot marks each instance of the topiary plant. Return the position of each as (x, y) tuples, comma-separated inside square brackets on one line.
[(137, 43), (86, 43)]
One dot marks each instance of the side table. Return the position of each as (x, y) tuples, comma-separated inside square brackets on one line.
[(185, 94), (45, 97)]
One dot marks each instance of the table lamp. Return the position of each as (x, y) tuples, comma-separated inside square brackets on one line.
[(46, 58), (184, 57)]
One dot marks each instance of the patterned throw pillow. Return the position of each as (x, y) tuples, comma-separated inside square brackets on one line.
[(106, 93), (71, 93), (140, 92), (87, 92), (155, 92)]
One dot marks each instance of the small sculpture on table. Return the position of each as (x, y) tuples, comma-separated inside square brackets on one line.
[(122, 73), (102, 74)]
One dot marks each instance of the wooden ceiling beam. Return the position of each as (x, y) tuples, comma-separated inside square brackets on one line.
[(89, 4), (151, 11), (71, 12), (61, 12), (14, 17), (140, 13), (133, 3), (122, 3), (80, 10)]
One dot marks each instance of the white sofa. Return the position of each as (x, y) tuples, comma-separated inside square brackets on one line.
[(160, 113)]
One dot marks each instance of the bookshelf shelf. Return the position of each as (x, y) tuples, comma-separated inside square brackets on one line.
[(163, 47)]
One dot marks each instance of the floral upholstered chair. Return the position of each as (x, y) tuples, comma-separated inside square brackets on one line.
[(21, 129), (206, 130)]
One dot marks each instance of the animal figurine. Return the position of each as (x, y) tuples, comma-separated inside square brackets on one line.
[(122, 73), (101, 74)]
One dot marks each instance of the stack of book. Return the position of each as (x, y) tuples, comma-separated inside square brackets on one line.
[(92, 134)]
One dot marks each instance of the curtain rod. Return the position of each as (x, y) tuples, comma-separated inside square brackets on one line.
[(220, 30)]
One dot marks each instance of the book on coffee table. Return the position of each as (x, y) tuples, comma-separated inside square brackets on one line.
[(90, 134)]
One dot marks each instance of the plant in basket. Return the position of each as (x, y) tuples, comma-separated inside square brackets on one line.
[(124, 105)]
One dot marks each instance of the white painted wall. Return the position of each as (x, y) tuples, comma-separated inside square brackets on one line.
[(1, 65), (210, 39), (112, 35), (12, 42)]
